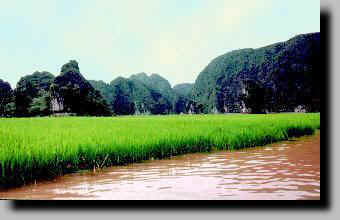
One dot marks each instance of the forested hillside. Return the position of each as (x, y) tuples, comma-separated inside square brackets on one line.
[(279, 77), (75, 94), (139, 94), (282, 77)]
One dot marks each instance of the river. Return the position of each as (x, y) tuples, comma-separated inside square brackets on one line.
[(286, 170)]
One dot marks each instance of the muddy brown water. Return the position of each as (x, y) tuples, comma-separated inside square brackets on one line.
[(281, 171)]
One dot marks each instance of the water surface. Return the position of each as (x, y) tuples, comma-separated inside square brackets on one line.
[(285, 170)]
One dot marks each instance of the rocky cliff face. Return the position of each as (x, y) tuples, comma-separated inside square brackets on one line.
[(279, 77), (71, 92)]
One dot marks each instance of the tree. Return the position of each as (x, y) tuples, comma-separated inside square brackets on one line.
[(6, 96), (28, 88), (10, 109), (40, 106)]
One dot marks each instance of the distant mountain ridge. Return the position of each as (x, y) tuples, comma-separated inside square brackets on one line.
[(277, 78), (139, 94)]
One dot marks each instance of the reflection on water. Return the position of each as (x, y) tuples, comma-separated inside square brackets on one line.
[(286, 170)]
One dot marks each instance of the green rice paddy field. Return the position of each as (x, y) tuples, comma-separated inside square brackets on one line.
[(35, 148)]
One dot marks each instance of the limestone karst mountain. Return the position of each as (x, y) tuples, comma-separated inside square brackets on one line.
[(280, 77), (71, 92)]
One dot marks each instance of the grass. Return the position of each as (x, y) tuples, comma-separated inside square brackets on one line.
[(33, 148)]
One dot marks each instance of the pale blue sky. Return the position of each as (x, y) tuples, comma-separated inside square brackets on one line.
[(111, 38)]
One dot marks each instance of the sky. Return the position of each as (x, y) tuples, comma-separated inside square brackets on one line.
[(109, 38)]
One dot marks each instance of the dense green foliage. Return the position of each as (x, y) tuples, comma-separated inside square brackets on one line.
[(32, 148), (41, 104), (34, 94), (289, 71), (139, 94), (6, 98), (32, 87), (155, 82), (105, 90), (160, 90)]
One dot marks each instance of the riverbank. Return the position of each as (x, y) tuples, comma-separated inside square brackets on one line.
[(35, 148)]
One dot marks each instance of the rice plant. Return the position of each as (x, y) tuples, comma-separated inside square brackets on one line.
[(34, 148)]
